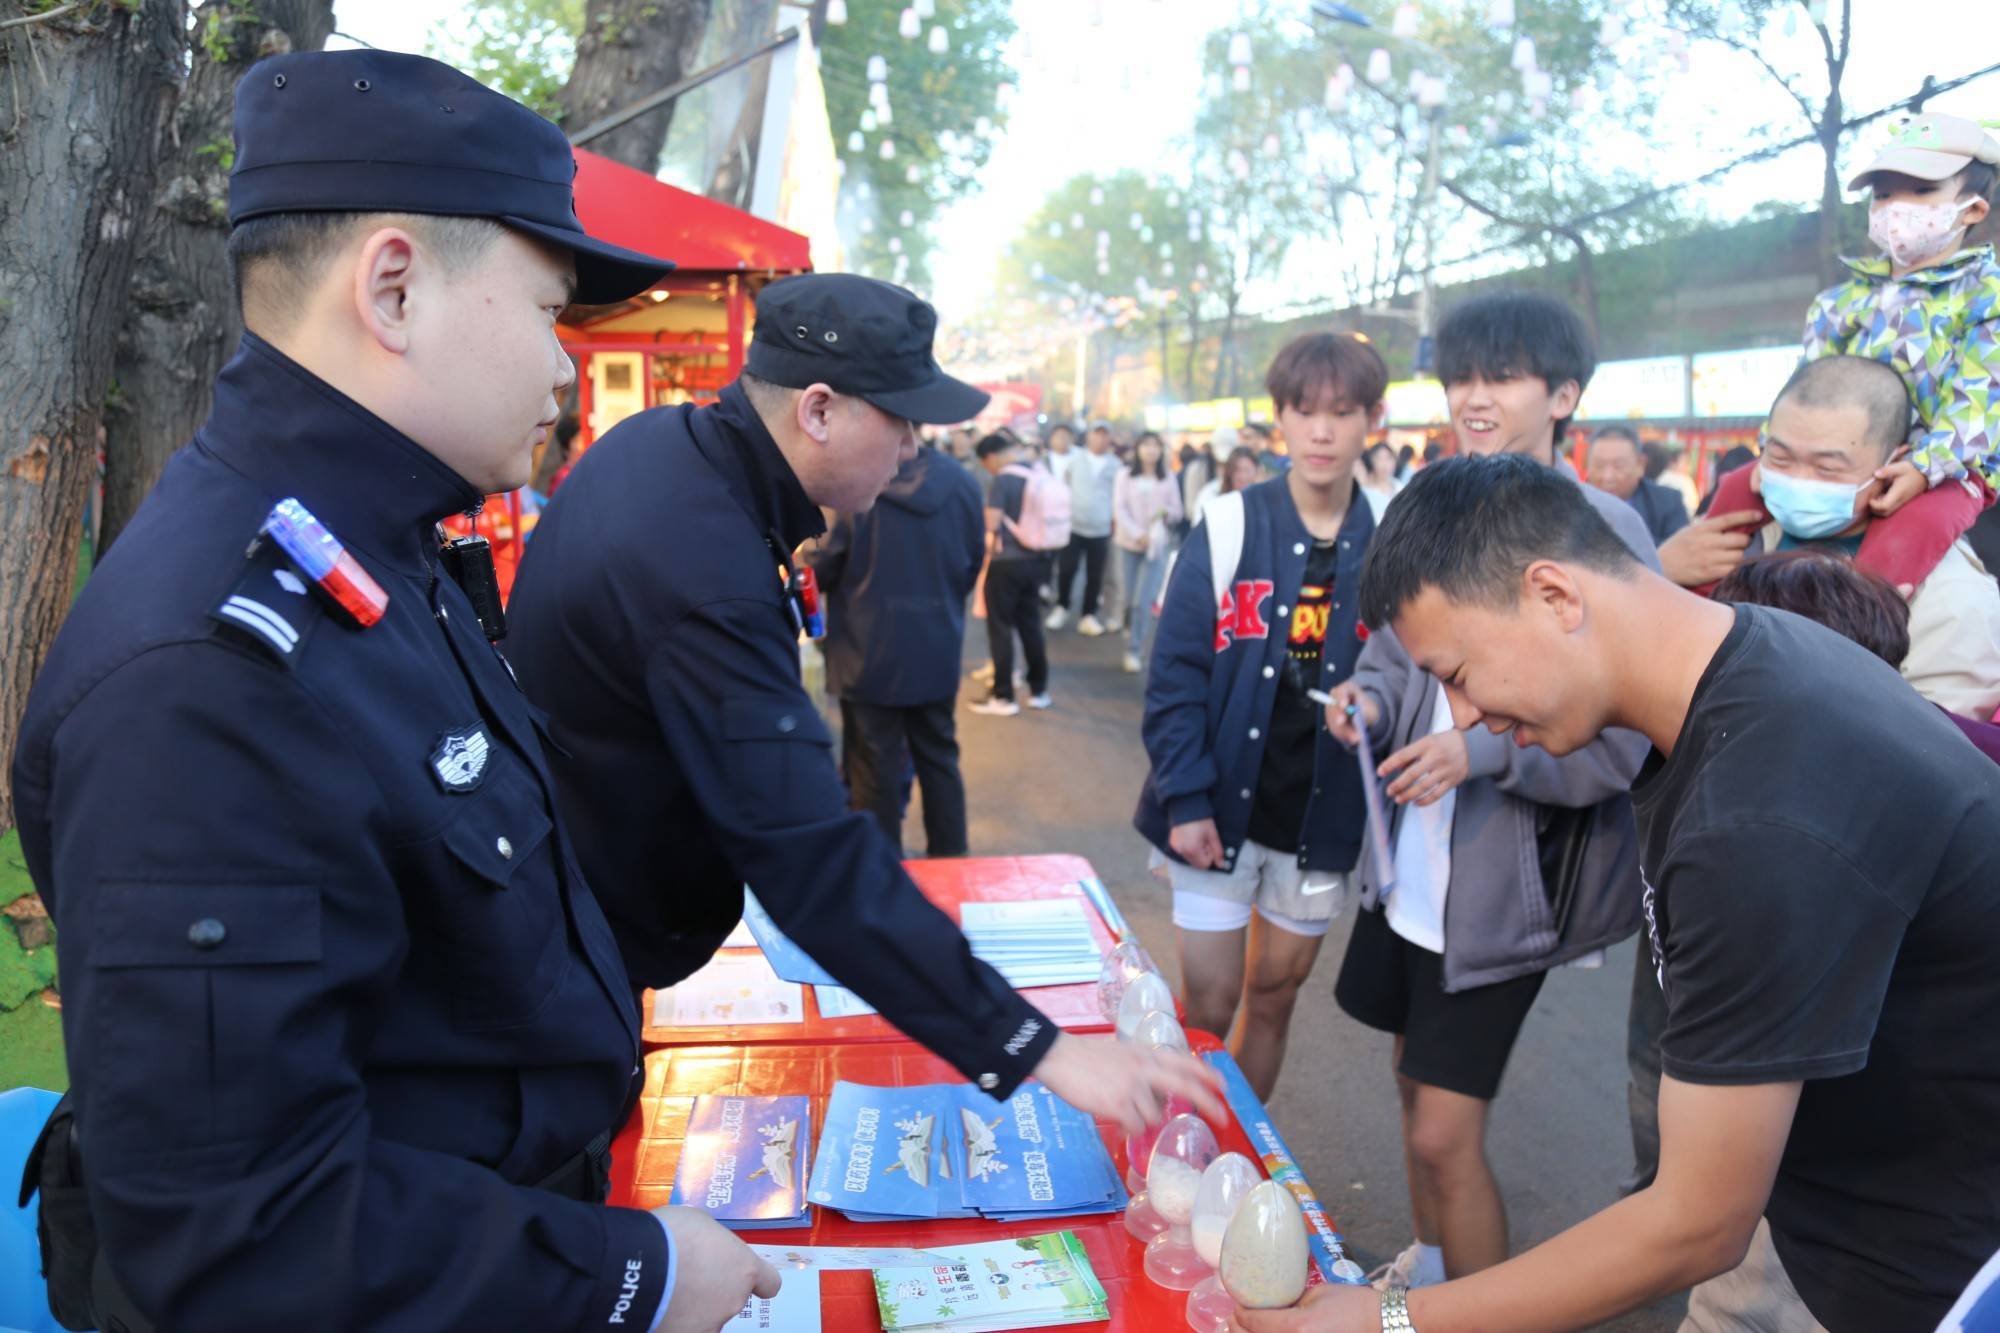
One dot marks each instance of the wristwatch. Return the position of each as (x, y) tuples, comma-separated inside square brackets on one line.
[(1396, 1311)]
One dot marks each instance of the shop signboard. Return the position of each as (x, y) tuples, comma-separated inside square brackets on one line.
[(1652, 388), (1205, 416), (1416, 403), (1741, 384)]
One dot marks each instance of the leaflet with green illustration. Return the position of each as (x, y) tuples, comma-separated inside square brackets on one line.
[(1032, 1282)]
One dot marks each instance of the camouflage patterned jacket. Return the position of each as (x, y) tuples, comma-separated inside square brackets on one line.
[(1940, 328)]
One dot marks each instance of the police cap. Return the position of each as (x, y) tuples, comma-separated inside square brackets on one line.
[(862, 337), (385, 132)]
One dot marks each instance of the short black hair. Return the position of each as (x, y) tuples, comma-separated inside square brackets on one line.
[(275, 259), (1316, 364), (1471, 526), (1620, 433), (1855, 381), (1509, 334), (995, 443), (1977, 180)]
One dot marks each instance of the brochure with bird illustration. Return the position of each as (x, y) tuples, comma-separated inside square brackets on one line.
[(1033, 1155), (744, 1161), (889, 1154), (1032, 1282)]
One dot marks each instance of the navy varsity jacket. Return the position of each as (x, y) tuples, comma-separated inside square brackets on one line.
[(1214, 681)]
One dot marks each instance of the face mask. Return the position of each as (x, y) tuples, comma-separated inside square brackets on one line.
[(1809, 510), (1912, 233)]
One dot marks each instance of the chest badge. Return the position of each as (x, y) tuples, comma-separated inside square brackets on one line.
[(459, 761)]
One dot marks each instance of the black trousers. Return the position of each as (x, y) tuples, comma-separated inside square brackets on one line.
[(882, 747), (1014, 606), (1092, 553)]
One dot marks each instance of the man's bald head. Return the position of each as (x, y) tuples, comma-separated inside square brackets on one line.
[(1839, 383)]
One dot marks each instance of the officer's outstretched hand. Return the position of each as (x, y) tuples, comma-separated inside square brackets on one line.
[(1103, 1077), (715, 1274)]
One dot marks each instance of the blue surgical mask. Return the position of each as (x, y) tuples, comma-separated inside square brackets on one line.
[(1808, 510)]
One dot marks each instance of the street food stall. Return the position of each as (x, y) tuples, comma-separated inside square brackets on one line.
[(679, 342)]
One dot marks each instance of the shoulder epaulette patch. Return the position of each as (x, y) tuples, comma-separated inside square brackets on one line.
[(271, 602)]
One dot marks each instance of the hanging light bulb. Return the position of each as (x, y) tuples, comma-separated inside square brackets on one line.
[(836, 12), (1383, 136), (909, 25), (911, 174), (1431, 95), (1503, 102), (868, 226), (1097, 196), (925, 8), (883, 115), (1167, 271), (1103, 269), (1611, 31), (1336, 96), (1135, 222), (1146, 235), (1201, 271), (855, 143), (888, 150), (1404, 25), (1537, 85), (1239, 165), (1500, 13), (939, 42), (868, 122), (1379, 69), (1055, 231), (1076, 220), (1524, 53), (840, 166), (1036, 271), (1239, 49), (863, 190), (1166, 249), (906, 218), (1586, 100), (1346, 76), (1272, 145), (878, 69), (1239, 78), (1304, 120), (895, 245), (1103, 241)]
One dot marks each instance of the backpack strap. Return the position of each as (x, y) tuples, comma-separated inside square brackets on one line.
[(1225, 518)]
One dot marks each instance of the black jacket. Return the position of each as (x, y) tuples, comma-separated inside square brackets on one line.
[(896, 580), (1662, 508), (649, 619), (334, 990)]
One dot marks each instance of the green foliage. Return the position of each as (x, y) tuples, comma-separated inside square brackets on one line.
[(222, 149), (523, 48), (946, 116), (1057, 257)]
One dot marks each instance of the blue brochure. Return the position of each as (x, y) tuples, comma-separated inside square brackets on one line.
[(787, 959), (1033, 1155), (744, 1161), (889, 1154)]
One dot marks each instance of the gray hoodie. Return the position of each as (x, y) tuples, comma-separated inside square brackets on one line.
[(1497, 921)]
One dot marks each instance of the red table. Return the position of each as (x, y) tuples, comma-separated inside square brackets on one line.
[(647, 1151), (946, 883)]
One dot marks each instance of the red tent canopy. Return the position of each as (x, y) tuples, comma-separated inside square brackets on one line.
[(632, 209)]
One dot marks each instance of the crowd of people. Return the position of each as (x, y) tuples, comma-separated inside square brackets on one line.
[(1661, 755)]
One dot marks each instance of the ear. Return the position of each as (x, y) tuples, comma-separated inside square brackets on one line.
[(814, 412), (382, 275), (1976, 212), (1378, 416), (1564, 400), (1552, 588), (1756, 479)]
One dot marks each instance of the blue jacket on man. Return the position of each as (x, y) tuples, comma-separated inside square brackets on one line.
[(896, 581), (1214, 682), (651, 620)]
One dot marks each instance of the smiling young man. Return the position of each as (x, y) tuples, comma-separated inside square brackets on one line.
[(1829, 948), (1533, 854)]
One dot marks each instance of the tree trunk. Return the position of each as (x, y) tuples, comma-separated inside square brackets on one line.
[(90, 91), (1194, 346), (1586, 279), (1225, 351), (733, 143), (628, 49), (184, 320), (1831, 270)]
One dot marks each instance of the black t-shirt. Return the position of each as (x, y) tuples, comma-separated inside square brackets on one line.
[(1284, 779), (1006, 492), (1822, 861)]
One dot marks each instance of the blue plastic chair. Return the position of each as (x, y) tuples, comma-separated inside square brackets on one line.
[(24, 1300)]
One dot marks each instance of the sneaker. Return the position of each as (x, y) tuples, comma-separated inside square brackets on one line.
[(1112, 624), (996, 707), (1132, 664), (984, 675), (1041, 700), (1057, 618), (1089, 627), (1405, 1270)]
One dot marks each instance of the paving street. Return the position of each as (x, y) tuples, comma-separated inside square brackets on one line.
[(1066, 781)]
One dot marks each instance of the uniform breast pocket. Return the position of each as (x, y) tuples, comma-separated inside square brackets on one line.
[(781, 755), (497, 909)]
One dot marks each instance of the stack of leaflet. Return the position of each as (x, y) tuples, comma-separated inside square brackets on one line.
[(1033, 1282), (743, 1161), (1043, 942), (948, 1150)]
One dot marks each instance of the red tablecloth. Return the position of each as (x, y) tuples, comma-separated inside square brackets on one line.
[(648, 1150), (946, 883)]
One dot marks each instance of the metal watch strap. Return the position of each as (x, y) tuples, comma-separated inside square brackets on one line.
[(1396, 1311)]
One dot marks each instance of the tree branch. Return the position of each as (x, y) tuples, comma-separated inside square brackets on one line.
[(43, 17), (1805, 103)]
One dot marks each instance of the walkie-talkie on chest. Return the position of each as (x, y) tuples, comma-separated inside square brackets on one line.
[(469, 562)]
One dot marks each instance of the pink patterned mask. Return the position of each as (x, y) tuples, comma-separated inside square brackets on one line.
[(1912, 233)]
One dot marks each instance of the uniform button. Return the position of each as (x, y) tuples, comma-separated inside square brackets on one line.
[(207, 933), (505, 848), (1254, 733), (1270, 672), (1245, 793), (1299, 548), (1343, 546), (444, 613), (788, 724), (989, 1081)]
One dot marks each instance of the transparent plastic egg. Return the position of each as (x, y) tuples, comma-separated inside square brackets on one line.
[(1122, 966), (1228, 1179), (1264, 1254), (1181, 1153), (1146, 993)]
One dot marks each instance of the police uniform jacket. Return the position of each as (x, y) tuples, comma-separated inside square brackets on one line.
[(334, 989), (650, 620)]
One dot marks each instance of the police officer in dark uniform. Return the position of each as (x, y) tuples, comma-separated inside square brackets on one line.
[(657, 617), (347, 1030)]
